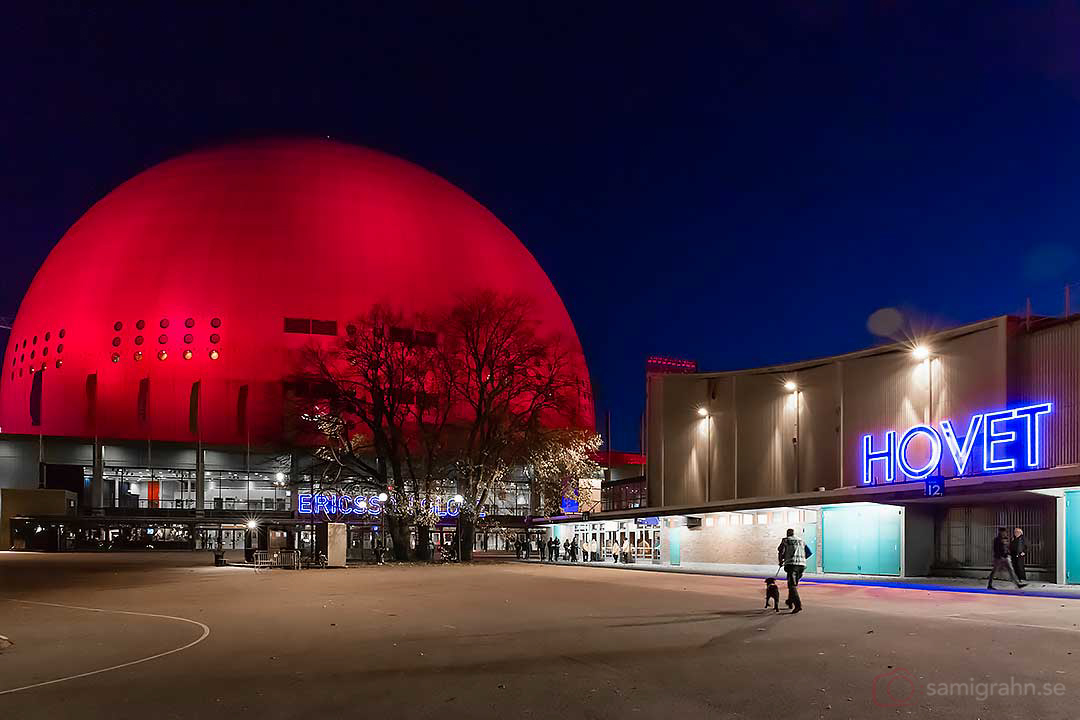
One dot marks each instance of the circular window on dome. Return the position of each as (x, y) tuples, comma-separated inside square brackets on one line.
[(24, 342), (190, 322), (215, 338), (35, 339), (164, 323), (31, 354), (116, 357), (214, 355), (63, 332), (22, 358), (138, 355), (189, 338), (216, 322), (44, 351), (162, 339), (139, 325), (117, 326), (60, 347), (20, 372), (188, 354), (162, 355), (138, 339), (116, 342), (47, 336), (59, 364), (43, 365)]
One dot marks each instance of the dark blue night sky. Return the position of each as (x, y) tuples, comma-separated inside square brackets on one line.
[(740, 187)]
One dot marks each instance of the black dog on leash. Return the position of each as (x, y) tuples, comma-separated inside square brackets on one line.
[(772, 592)]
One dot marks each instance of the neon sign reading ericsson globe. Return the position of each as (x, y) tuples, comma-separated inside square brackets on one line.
[(1010, 439), (309, 504)]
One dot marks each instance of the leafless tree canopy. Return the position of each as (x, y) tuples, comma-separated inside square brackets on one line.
[(461, 400)]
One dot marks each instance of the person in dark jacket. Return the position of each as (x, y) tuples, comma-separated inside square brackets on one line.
[(1001, 560), (1018, 552)]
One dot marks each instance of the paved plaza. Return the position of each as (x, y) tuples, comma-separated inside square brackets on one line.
[(168, 636)]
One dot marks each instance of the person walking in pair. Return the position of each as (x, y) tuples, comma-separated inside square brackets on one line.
[(1001, 560), (1018, 553)]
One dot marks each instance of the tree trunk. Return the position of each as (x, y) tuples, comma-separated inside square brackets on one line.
[(399, 533), (466, 534), (423, 542)]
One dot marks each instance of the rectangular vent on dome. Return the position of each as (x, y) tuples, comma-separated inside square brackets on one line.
[(298, 325), (324, 327)]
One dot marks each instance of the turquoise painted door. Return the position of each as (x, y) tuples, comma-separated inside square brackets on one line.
[(674, 554), (1072, 537), (861, 540)]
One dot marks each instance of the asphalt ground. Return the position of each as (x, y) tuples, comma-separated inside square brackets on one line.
[(182, 639)]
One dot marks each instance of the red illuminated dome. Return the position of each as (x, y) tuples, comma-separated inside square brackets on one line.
[(199, 265)]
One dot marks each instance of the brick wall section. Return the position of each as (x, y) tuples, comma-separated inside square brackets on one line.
[(741, 544)]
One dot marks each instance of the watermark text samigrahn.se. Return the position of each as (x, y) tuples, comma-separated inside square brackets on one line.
[(899, 687)]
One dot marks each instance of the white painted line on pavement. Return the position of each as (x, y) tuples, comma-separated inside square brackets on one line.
[(205, 634)]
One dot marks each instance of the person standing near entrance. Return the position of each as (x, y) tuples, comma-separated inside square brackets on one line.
[(1018, 552), (615, 549), (791, 554), (1001, 560), (543, 549)]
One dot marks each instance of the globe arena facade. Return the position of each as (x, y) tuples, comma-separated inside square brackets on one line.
[(146, 373)]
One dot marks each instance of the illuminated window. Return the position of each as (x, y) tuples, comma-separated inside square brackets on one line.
[(162, 339), (162, 355), (59, 363), (138, 339), (793, 516), (188, 354), (189, 338), (116, 357), (138, 355), (763, 519), (117, 326), (216, 323), (214, 354), (140, 325), (116, 341), (190, 322)]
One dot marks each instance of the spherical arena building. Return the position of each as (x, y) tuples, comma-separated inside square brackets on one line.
[(154, 345)]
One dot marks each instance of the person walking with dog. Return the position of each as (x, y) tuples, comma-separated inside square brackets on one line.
[(791, 554)]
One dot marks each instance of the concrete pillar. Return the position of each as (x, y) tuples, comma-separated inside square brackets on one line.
[(97, 481), (1059, 535), (200, 481)]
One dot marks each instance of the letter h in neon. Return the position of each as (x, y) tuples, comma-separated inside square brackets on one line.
[(871, 456)]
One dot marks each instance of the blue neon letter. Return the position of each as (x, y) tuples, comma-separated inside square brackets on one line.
[(870, 456), (322, 503), (935, 452), (373, 505), (961, 453), (992, 438), (303, 504), (1030, 414)]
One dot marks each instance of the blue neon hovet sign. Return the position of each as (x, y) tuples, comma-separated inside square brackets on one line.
[(1007, 440)]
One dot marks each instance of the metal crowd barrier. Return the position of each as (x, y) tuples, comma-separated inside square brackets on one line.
[(285, 559)]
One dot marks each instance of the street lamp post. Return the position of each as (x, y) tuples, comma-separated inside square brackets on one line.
[(459, 501)]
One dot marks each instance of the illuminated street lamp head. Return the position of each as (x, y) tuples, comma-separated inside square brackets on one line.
[(790, 386), (251, 524), (920, 352), (383, 497), (458, 499), (280, 477), (702, 412)]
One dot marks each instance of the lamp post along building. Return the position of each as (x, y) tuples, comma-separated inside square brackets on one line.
[(899, 460)]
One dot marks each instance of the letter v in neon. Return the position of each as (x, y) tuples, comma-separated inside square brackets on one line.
[(961, 455)]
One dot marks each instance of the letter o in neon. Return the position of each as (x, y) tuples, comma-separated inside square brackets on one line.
[(935, 452)]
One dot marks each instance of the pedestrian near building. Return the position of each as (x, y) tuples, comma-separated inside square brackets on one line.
[(792, 554), (614, 549), (624, 551), (1018, 552), (1001, 560), (543, 546)]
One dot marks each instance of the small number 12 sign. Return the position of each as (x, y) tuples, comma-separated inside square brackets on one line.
[(935, 487)]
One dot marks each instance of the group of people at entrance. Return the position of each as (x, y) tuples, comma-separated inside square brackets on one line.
[(570, 550), (1010, 555)]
